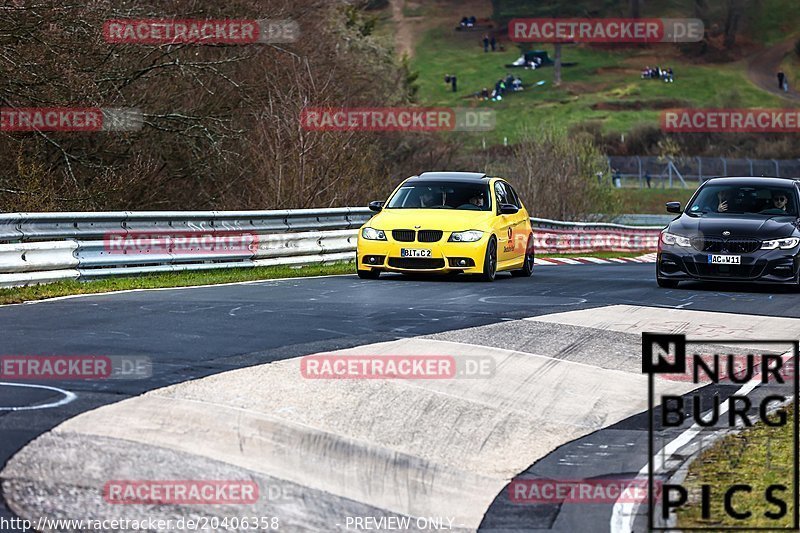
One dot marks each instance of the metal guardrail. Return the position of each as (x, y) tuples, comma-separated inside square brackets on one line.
[(46, 247)]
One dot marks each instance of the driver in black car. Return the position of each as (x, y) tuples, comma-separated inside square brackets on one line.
[(780, 201)]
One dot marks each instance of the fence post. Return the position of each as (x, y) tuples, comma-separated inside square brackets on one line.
[(669, 169), (699, 170), (639, 160), (751, 165), (777, 168), (724, 166)]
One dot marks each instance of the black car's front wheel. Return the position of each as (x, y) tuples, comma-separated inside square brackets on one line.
[(490, 260)]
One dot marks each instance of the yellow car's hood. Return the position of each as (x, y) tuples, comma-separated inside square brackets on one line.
[(441, 219)]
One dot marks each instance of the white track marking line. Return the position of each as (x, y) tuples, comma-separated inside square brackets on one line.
[(68, 397)]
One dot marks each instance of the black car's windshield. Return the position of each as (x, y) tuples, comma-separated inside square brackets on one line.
[(744, 199), (442, 195)]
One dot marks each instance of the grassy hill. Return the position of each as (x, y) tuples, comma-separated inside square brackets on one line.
[(604, 86)]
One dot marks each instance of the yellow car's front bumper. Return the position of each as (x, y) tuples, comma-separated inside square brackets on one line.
[(445, 256)]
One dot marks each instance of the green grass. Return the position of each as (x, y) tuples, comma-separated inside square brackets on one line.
[(601, 76), (772, 21), (171, 279), (765, 21), (187, 279), (650, 201), (759, 457)]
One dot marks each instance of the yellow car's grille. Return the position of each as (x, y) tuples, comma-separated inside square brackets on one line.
[(429, 235), (403, 235), (423, 235)]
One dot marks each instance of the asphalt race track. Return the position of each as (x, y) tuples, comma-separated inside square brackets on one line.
[(226, 398)]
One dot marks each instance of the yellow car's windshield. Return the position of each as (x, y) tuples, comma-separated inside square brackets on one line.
[(442, 195)]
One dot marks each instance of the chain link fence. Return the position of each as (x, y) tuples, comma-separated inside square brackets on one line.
[(689, 172)]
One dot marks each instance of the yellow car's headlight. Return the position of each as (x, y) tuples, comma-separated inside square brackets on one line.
[(472, 235), (372, 234)]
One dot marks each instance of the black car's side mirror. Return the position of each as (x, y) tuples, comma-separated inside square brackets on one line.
[(376, 206), (673, 207), (508, 209)]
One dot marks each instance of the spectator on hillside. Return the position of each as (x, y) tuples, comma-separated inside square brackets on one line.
[(453, 82), (464, 22), (485, 93), (616, 178), (493, 43), (781, 78), (516, 84), (485, 42), (471, 22)]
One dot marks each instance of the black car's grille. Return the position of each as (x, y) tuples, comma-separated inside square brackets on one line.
[(424, 235), (403, 235), (734, 246), (429, 235), (416, 263), (726, 271)]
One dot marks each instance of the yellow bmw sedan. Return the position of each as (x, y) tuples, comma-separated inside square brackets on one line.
[(448, 222)]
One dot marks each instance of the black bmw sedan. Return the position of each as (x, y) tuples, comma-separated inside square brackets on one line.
[(733, 229)]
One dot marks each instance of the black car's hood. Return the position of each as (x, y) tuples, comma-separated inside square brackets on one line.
[(739, 226)]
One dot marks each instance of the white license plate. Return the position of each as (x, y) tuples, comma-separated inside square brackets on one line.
[(410, 252), (724, 259)]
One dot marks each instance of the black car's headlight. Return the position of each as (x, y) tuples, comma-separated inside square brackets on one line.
[(472, 235), (372, 234), (675, 240), (783, 244)]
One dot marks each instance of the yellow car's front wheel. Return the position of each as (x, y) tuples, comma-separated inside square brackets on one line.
[(527, 266), (490, 260), (368, 274)]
